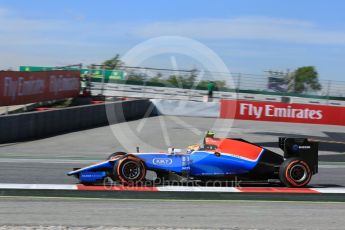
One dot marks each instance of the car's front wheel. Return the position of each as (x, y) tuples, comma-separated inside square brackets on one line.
[(295, 172), (129, 170)]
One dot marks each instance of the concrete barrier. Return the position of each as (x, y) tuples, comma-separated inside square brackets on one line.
[(186, 108), (31, 125)]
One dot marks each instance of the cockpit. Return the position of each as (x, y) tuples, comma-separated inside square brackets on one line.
[(210, 143)]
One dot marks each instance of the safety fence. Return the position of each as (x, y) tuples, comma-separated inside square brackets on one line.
[(331, 90), (196, 80), (155, 92)]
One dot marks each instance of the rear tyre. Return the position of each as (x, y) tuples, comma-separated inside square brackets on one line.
[(129, 170), (115, 155), (295, 172)]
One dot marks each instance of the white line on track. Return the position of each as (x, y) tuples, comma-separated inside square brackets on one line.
[(196, 189), (331, 166), (39, 186), (46, 161)]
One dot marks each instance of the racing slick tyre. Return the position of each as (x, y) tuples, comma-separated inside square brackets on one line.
[(129, 170), (294, 172), (116, 155)]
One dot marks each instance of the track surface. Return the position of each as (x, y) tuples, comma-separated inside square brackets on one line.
[(48, 160), (171, 214)]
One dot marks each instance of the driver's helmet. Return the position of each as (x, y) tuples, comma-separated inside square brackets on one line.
[(210, 134), (192, 148)]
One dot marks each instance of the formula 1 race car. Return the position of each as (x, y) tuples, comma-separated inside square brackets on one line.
[(223, 159)]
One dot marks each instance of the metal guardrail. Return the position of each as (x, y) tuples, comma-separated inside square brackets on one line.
[(123, 90)]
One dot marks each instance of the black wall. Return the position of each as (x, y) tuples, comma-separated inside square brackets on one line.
[(31, 125)]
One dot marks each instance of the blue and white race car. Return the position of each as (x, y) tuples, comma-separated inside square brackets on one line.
[(223, 159)]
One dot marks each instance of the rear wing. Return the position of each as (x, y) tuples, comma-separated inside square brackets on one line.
[(302, 148)]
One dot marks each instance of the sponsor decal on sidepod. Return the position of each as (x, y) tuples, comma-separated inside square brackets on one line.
[(161, 161)]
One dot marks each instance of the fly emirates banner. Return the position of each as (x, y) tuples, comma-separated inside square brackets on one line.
[(18, 88), (282, 112)]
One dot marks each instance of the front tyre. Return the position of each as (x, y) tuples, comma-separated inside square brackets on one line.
[(295, 172), (129, 170)]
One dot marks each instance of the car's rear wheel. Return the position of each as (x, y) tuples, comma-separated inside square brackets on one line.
[(116, 155), (295, 172), (129, 170)]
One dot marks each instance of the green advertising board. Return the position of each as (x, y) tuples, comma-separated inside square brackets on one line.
[(34, 68), (96, 73), (109, 74)]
